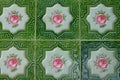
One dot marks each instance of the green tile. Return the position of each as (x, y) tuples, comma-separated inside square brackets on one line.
[(71, 46), (86, 32), (28, 32), (27, 47), (100, 47), (72, 33)]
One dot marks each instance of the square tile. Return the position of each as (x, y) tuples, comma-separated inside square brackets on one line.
[(58, 60), (100, 60), (99, 19), (16, 58), (17, 19), (57, 19)]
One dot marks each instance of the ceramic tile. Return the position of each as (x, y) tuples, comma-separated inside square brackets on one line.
[(17, 19), (100, 60), (58, 60), (59, 40), (99, 19), (16, 61), (57, 19)]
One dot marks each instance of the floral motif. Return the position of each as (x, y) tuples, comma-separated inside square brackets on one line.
[(57, 18), (101, 18), (14, 18), (13, 62), (102, 62), (57, 62)]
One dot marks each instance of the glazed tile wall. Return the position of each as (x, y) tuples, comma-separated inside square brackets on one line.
[(59, 40)]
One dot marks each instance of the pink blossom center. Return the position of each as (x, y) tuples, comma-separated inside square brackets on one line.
[(14, 19), (12, 63), (101, 19), (57, 63), (102, 63), (57, 19)]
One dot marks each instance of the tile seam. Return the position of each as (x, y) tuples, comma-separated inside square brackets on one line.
[(35, 40)]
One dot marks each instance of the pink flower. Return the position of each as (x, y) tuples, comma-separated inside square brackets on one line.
[(101, 19), (57, 63), (14, 19), (57, 19), (102, 63), (12, 63)]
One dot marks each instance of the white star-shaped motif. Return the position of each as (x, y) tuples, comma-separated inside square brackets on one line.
[(101, 18), (6, 68), (14, 18), (102, 62), (57, 55), (57, 18)]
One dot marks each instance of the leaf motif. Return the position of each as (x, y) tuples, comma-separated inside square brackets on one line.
[(14, 12), (58, 56), (108, 17), (95, 63), (13, 70), (50, 20), (109, 60), (19, 61), (64, 60), (102, 55), (94, 19), (57, 12), (64, 17), (101, 12), (59, 25), (12, 55), (102, 26), (20, 16), (59, 70), (104, 70), (7, 20), (15, 25), (5, 62)]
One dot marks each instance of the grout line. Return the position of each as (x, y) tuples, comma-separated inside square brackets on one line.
[(79, 21), (16, 39), (80, 42), (80, 55), (58, 40), (35, 41), (100, 39)]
